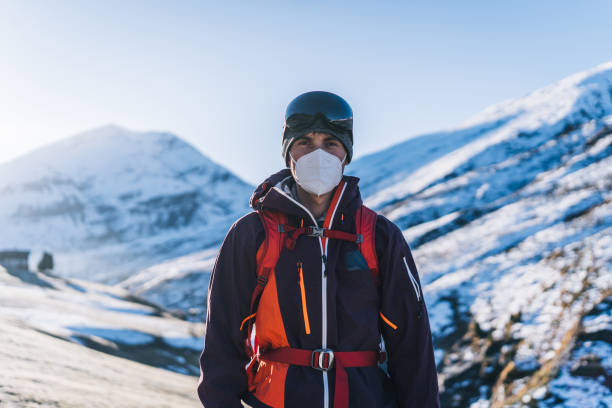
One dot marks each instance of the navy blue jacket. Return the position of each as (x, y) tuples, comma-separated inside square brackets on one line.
[(346, 310)]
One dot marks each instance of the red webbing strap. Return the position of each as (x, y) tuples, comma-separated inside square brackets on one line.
[(337, 234), (295, 233), (293, 236), (365, 223), (267, 256), (272, 246), (342, 359)]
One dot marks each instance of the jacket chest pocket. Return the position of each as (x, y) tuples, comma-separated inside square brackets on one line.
[(353, 261), (356, 280)]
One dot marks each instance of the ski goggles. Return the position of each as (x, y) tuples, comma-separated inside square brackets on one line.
[(330, 110), (300, 122)]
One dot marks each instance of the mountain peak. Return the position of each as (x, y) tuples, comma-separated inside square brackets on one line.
[(108, 128), (111, 185)]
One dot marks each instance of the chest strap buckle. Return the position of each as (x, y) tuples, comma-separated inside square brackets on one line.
[(322, 359), (316, 231)]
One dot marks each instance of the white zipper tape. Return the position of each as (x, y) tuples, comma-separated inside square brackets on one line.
[(414, 282)]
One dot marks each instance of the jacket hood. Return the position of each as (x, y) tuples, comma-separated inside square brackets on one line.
[(263, 188), (265, 195)]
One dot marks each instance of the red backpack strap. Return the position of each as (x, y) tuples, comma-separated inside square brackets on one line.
[(267, 257), (365, 223), (269, 251)]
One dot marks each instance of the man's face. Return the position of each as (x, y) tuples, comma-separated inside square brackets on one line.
[(317, 140)]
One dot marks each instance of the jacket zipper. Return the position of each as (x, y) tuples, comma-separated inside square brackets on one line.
[(417, 290), (323, 284), (303, 293), (415, 284)]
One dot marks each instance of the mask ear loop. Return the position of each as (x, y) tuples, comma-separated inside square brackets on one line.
[(294, 169)]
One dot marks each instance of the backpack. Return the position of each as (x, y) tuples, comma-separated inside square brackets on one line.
[(279, 235)]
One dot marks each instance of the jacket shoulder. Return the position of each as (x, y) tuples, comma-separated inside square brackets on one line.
[(247, 231), (248, 223), (386, 227), (387, 233)]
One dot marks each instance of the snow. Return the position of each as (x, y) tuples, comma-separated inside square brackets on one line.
[(180, 284), (118, 197), (582, 391), (39, 370), (117, 335), (98, 316), (194, 343)]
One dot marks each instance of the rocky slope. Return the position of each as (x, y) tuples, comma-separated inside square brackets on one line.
[(510, 220)]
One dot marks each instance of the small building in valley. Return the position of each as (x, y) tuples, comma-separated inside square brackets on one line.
[(14, 259)]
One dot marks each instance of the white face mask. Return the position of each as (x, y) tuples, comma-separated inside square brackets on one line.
[(317, 172)]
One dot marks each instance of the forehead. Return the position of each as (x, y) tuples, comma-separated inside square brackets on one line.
[(318, 136)]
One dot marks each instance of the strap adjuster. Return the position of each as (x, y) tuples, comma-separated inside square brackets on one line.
[(315, 231), (322, 359)]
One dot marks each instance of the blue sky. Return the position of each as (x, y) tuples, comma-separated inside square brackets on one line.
[(221, 75)]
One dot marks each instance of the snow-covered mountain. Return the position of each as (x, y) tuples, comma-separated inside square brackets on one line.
[(510, 220), (109, 202), (179, 285)]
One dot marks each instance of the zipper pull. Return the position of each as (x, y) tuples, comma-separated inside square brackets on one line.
[(420, 309)]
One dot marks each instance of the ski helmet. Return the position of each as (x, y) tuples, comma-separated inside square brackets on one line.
[(318, 111)]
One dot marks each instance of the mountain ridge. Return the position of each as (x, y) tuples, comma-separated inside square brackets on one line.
[(111, 190)]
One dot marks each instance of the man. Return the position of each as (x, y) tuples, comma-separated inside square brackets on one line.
[(298, 299)]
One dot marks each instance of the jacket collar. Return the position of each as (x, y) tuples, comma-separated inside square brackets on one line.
[(269, 195)]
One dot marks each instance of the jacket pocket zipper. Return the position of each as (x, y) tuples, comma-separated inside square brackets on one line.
[(417, 291), (303, 293), (415, 284)]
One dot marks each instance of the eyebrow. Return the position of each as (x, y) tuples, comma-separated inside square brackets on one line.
[(311, 138)]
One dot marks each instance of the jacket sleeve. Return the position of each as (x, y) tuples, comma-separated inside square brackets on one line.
[(223, 378), (405, 326)]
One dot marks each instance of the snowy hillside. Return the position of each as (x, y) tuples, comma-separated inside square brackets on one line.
[(109, 202), (510, 220), (39, 370), (179, 285), (45, 322), (102, 317)]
